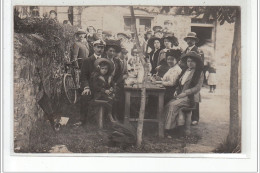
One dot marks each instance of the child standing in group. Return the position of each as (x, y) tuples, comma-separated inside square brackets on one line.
[(103, 85), (211, 78)]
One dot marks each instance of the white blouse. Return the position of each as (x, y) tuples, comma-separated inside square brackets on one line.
[(171, 76), (185, 76)]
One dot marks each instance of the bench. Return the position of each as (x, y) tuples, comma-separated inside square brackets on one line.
[(100, 104)]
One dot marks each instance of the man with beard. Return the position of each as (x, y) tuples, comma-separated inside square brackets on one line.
[(86, 84)]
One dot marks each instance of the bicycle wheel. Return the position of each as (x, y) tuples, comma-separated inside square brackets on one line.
[(70, 88)]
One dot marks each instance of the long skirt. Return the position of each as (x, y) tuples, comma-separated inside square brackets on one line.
[(171, 112)]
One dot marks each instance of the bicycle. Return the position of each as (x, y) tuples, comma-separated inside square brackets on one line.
[(71, 82)]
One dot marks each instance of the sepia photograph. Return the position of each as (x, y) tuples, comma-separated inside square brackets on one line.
[(126, 79)]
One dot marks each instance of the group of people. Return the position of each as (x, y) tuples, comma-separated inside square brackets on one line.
[(108, 61)]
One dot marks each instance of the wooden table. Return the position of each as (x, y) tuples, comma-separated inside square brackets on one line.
[(151, 89)]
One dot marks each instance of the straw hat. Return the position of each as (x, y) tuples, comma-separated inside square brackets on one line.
[(100, 60), (192, 35)]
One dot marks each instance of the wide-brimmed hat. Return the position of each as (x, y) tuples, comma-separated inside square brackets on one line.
[(157, 28), (175, 53), (80, 31), (192, 35), (113, 43), (127, 35), (100, 60), (151, 42), (170, 36), (195, 56)]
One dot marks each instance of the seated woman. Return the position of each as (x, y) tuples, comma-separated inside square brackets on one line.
[(187, 92), (170, 78), (169, 41), (103, 85)]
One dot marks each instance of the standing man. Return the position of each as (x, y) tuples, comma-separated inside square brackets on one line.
[(86, 84), (191, 40), (120, 96), (80, 49)]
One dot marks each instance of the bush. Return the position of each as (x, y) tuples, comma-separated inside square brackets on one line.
[(46, 44)]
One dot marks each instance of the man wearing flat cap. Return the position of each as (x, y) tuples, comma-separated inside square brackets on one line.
[(86, 84), (80, 49)]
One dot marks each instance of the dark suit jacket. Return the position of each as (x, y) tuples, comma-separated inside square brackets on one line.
[(118, 70), (80, 51), (155, 60), (198, 51), (86, 70)]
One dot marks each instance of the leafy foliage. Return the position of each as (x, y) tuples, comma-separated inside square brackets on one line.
[(221, 13), (46, 43)]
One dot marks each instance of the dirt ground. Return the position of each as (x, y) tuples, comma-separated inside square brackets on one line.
[(206, 136)]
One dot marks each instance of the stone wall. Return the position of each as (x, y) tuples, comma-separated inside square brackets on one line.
[(26, 87)]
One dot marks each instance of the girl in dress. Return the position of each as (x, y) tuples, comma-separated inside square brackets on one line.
[(103, 85), (211, 78)]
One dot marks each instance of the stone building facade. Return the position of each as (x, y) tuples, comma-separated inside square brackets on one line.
[(118, 18)]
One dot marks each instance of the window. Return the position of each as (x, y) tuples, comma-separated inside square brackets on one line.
[(142, 23), (127, 26), (203, 33), (146, 23)]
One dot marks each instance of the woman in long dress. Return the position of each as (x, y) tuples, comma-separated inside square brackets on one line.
[(170, 78), (187, 92)]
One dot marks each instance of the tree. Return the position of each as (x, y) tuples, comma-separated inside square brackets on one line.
[(143, 90), (230, 15)]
